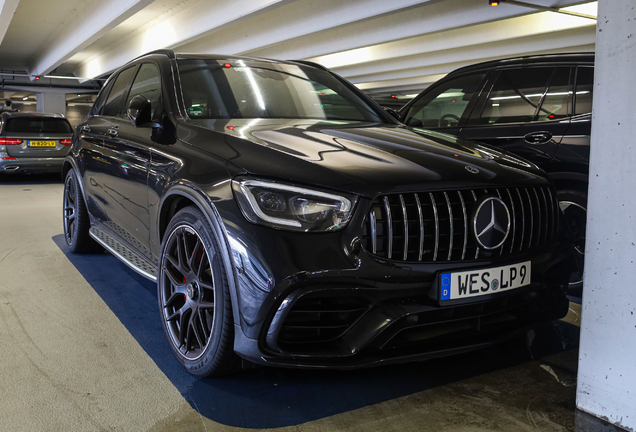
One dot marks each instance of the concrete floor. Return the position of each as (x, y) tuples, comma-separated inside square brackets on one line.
[(77, 355)]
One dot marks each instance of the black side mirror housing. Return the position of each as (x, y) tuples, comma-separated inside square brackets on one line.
[(393, 113), (139, 111)]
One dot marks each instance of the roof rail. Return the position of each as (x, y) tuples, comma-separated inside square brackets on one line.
[(166, 52), (310, 63)]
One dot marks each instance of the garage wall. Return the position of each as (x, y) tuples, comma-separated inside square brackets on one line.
[(607, 363)]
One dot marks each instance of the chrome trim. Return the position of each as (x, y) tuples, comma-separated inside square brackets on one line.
[(406, 227), (421, 218), (452, 228), (387, 208), (531, 218), (476, 247), (514, 220), (436, 226), (461, 198), (523, 219), (374, 234), (120, 257), (555, 214), (545, 203), (539, 215), (503, 244)]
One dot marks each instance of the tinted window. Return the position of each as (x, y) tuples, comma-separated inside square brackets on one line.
[(556, 101), (116, 95), (584, 90), (250, 89), (446, 104), (101, 100), (516, 95), (148, 84), (38, 125)]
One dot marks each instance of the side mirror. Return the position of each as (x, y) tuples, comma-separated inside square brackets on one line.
[(393, 113), (139, 111)]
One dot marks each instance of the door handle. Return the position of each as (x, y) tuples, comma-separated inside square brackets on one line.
[(113, 131), (85, 129), (538, 137)]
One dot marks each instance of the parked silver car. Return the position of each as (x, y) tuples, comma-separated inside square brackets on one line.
[(33, 143)]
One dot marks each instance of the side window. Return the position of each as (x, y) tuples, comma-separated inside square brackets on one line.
[(148, 84), (116, 95), (98, 106), (556, 100), (584, 90), (516, 95), (446, 104)]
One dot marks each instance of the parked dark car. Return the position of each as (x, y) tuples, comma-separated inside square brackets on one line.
[(33, 143), (288, 219), (538, 107)]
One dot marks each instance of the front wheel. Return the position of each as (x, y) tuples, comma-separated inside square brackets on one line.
[(573, 204), (194, 298)]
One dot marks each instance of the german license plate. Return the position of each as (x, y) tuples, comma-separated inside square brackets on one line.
[(475, 283), (41, 143)]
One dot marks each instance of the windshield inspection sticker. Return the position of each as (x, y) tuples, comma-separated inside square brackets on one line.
[(195, 111)]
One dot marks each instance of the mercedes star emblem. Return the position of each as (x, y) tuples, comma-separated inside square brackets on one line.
[(491, 223)]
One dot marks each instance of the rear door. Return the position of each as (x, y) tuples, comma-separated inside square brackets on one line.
[(525, 111)]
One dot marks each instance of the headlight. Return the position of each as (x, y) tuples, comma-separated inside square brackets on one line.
[(293, 208)]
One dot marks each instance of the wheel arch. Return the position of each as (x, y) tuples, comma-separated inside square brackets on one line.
[(183, 195), (570, 180)]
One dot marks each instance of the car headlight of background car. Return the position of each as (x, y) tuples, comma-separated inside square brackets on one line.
[(292, 208)]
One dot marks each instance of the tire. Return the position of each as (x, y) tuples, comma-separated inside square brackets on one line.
[(75, 218), (573, 203), (194, 297)]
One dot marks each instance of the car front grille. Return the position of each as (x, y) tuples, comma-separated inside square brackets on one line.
[(436, 226)]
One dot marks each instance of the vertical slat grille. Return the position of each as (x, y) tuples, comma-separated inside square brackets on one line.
[(438, 225)]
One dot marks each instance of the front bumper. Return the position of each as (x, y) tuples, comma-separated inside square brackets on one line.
[(321, 300), (31, 165)]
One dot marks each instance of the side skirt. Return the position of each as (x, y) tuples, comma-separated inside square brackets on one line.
[(124, 253)]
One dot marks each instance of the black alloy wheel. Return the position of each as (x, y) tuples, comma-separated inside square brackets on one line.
[(194, 297), (75, 218), (573, 204)]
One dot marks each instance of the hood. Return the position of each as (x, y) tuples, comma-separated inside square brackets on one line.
[(366, 159)]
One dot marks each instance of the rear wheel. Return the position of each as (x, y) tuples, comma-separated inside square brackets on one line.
[(573, 204), (194, 297), (75, 217)]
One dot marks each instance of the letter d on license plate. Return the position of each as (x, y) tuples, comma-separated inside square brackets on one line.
[(475, 283)]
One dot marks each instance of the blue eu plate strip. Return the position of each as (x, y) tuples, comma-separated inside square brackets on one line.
[(446, 286)]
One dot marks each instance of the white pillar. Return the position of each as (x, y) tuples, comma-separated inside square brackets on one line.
[(51, 103), (607, 359)]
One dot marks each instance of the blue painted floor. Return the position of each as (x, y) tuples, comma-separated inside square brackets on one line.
[(272, 397)]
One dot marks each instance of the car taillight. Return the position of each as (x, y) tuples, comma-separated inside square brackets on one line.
[(65, 142), (10, 141)]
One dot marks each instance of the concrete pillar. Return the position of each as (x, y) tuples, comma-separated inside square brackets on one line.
[(607, 363), (51, 103)]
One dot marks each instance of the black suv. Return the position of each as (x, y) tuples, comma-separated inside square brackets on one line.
[(288, 219), (538, 107)]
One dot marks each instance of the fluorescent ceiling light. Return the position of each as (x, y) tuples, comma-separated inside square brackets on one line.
[(586, 8)]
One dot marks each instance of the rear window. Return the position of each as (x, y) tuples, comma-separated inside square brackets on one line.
[(38, 125)]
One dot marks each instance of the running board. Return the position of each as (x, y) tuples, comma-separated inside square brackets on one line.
[(124, 253)]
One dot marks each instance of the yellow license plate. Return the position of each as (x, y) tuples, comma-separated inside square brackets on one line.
[(41, 143)]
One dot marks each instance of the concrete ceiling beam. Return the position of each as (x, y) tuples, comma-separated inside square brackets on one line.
[(196, 20), (7, 10), (89, 25), (425, 19), (405, 66), (303, 17)]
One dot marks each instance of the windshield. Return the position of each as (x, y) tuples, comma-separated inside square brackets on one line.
[(38, 125), (213, 89)]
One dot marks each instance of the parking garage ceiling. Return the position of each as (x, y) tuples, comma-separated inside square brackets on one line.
[(397, 47)]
